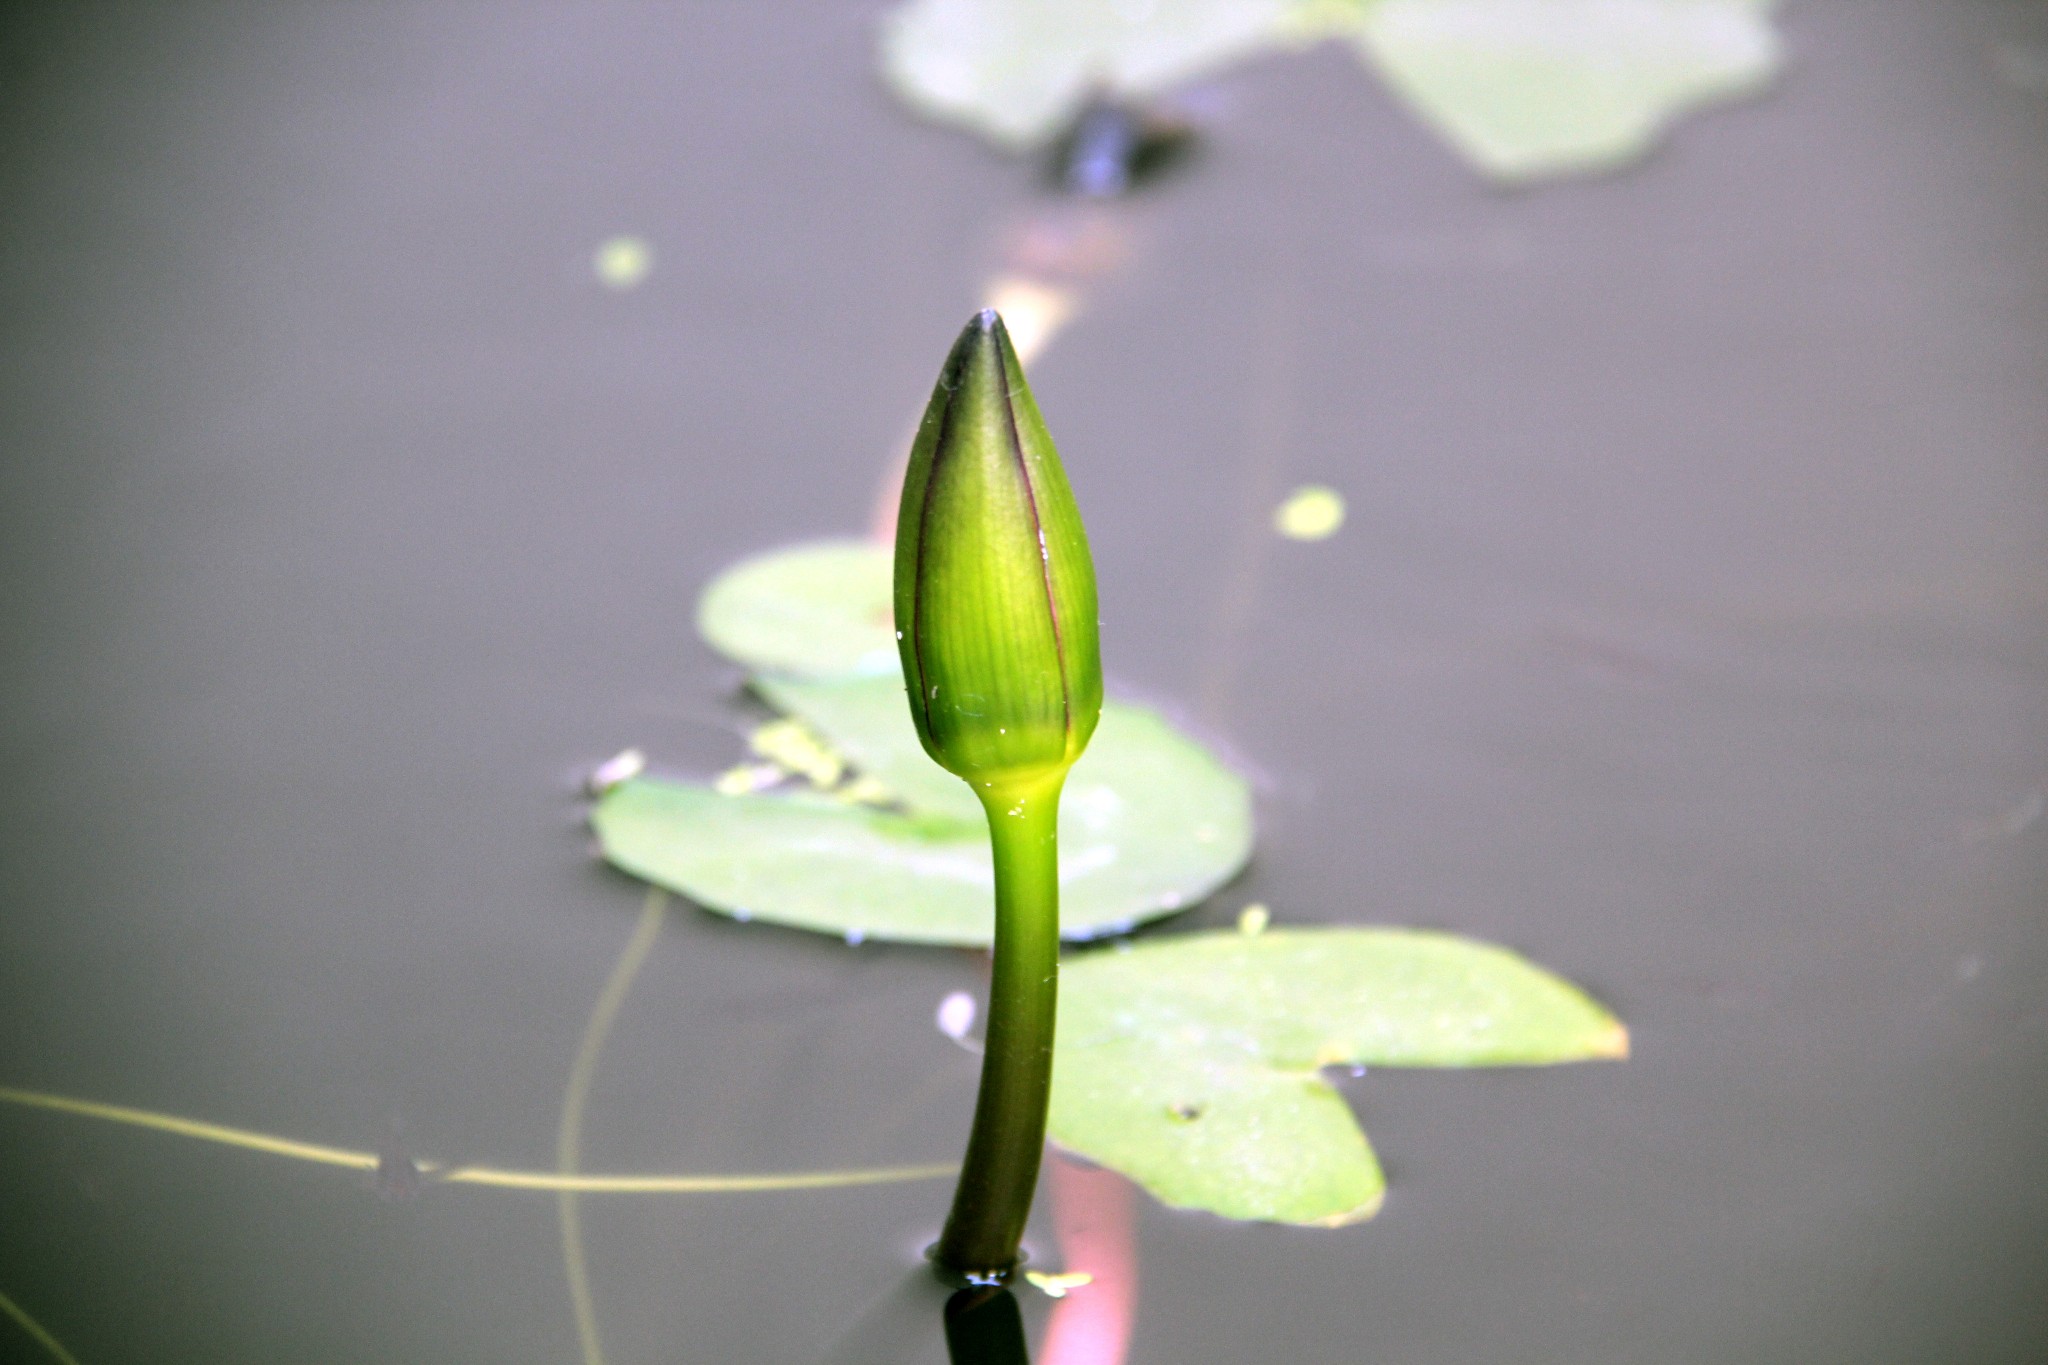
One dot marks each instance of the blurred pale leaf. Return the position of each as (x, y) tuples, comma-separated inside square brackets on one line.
[(814, 610), (1522, 88), (1531, 88), (1016, 70)]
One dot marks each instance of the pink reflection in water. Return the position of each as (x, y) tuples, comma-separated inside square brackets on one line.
[(1094, 1215)]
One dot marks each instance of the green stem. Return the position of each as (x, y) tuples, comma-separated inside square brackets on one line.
[(576, 1099), (1001, 1170), (35, 1331)]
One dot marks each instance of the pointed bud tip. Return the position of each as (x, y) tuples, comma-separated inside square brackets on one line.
[(982, 342)]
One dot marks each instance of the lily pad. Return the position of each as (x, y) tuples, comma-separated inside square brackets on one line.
[(812, 610), (1522, 88), (1016, 71), (867, 722), (1531, 88), (1150, 823), (1193, 1064)]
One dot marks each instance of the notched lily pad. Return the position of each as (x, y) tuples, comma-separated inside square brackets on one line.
[(1521, 88), (1193, 1064), (1016, 71), (813, 610), (1150, 823), (1531, 88)]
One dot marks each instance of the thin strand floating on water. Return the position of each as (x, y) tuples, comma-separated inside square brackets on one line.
[(493, 1176), (36, 1331), (194, 1128), (691, 1184), (575, 1098)]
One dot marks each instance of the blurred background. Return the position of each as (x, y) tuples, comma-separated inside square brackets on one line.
[(381, 384)]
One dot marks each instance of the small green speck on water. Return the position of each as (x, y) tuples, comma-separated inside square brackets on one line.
[(1310, 513), (623, 262), (1057, 1286)]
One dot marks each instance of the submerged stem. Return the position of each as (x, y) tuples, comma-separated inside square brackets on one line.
[(36, 1331), (1001, 1169), (576, 1098)]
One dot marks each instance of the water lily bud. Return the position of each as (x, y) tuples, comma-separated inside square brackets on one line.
[(995, 592)]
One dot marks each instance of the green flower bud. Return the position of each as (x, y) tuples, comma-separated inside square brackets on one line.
[(995, 592)]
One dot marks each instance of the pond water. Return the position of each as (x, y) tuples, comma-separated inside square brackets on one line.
[(1685, 632)]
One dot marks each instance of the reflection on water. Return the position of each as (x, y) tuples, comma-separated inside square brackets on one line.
[(983, 1327), (1095, 1213), (1113, 146), (1095, 1290), (1048, 261)]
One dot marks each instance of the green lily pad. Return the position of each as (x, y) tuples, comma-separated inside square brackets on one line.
[(812, 610), (1193, 1064), (1531, 88), (1016, 71), (867, 722), (1150, 823)]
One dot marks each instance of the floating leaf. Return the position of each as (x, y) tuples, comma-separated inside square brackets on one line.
[(1150, 823), (867, 721), (812, 610), (1522, 88), (1528, 88), (1192, 1063), (1017, 70)]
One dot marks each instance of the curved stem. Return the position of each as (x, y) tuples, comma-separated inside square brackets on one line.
[(1001, 1169), (576, 1099), (36, 1332)]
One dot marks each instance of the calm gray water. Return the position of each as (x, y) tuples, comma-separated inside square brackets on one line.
[(1689, 633)]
